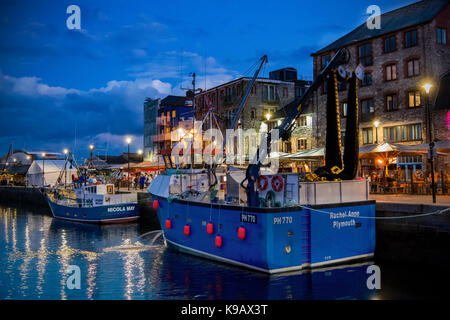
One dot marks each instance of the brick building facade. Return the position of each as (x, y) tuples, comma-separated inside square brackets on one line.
[(411, 48), (261, 111)]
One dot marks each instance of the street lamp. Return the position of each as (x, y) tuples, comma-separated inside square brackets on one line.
[(268, 116), (376, 124), (14, 168), (128, 142), (43, 169), (427, 87), (91, 147)]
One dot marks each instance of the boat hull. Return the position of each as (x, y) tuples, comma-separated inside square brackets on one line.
[(276, 239), (118, 213)]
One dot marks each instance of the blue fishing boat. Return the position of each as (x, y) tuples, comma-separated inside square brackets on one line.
[(93, 203), (322, 230), (276, 222)]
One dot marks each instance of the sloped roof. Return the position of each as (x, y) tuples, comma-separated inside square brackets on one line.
[(48, 166), (408, 16)]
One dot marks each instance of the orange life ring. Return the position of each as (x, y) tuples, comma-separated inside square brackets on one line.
[(265, 185), (277, 183)]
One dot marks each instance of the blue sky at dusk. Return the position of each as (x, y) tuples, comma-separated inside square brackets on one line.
[(68, 88)]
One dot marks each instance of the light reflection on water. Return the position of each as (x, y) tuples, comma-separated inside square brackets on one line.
[(116, 263)]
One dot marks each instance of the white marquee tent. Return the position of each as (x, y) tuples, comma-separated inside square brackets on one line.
[(51, 170)]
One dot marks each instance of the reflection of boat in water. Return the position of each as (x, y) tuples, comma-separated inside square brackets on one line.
[(191, 278), (276, 222)]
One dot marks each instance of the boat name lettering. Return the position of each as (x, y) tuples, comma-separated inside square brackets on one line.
[(341, 224), (248, 217), (282, 220), (120, 209), (345, 214)]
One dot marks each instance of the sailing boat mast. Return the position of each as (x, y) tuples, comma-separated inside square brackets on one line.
[(193, 91)]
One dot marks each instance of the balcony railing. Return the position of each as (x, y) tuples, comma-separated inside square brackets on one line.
[(162, 121), (162, 137)]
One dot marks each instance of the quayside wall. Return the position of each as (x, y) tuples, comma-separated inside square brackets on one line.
[(419, 240)]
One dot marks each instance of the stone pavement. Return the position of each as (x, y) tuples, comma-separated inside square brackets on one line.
[(411, 199)]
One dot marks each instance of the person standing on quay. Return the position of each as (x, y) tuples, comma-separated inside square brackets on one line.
[(142, 181)]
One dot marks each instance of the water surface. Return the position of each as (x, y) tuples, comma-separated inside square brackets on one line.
[(121, 262)]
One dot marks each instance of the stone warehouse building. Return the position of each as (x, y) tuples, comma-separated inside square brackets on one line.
[(411, 48), (261, 112)]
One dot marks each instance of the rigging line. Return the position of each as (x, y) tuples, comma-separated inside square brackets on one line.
[(204, 73), (384, 218), (250, 68)]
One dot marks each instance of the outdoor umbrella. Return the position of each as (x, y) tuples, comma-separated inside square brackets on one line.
[(387, 151), (307, 154), (440, 146)]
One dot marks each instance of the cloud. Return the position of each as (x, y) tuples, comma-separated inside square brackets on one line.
[(175, 65), (38, 115), (32, 86)]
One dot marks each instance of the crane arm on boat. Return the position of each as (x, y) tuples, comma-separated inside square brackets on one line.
[(341, 57)]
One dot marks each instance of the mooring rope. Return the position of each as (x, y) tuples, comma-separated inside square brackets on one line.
[(385, 218)]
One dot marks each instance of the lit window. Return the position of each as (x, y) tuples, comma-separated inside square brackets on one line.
[(302, 144), (391, 102), (410, 132), (367, 135), (302, 121), (413, 67), (414, 99), (344, 109), (391, 72)]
